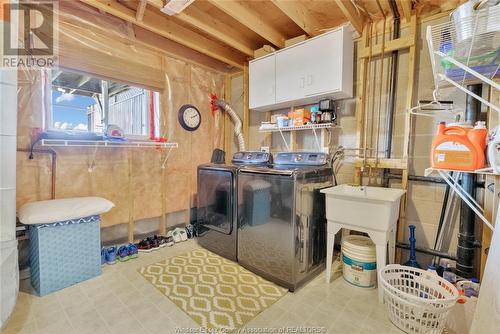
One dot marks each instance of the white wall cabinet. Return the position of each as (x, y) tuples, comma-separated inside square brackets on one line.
[(290, 73), (321, 67), (262, 81)]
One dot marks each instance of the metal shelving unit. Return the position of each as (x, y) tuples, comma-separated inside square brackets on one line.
[(466, 50)]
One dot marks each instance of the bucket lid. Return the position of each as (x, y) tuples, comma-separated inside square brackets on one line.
[(358, 242)]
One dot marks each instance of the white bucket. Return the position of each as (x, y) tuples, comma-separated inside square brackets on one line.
[(359, 261)]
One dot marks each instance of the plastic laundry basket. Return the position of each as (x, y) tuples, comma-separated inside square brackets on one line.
[(417, 301)]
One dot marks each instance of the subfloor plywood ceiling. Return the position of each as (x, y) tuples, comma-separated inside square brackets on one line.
[(231, 30)]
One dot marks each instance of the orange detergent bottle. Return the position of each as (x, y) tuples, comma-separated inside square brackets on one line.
[(459, 147)]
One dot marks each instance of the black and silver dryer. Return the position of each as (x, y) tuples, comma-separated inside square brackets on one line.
[(217, 203)]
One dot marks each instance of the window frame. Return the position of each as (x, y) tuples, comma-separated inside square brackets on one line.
[(48, 123)]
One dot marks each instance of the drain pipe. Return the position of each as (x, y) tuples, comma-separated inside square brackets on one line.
[(466, 236), (392, 89), (427, 251)]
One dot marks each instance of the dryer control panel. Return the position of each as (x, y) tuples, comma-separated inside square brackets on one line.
[(301, 158), (252, 158)]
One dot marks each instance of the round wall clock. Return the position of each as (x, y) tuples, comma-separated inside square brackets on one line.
[(189, 117)]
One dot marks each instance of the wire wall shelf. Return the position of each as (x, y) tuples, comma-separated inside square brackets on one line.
[(98, 144), (105, 143), (466, 50), (298, 128), (312, 127)]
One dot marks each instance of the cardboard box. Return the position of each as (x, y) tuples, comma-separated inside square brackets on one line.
[(300, 116)]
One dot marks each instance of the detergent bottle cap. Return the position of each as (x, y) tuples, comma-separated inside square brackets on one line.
[(480, 125), (431, 267)]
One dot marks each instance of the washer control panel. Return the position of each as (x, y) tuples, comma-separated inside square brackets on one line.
[(301, 158), (252, 158)]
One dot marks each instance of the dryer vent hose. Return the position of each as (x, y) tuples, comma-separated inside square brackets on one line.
[(223, 106)]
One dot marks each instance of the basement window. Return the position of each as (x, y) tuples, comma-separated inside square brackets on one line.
[(83, 103)]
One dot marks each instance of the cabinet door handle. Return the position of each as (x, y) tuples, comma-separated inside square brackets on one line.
[(309, 80), (302, 82)]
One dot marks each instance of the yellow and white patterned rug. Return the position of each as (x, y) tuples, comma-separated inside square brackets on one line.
[(213, 291)]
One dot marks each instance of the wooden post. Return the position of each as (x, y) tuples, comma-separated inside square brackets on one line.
[(246, 114), (227, 120), (490, 198), (360, 101), (130, 201)]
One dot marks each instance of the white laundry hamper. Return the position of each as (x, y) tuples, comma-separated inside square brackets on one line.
[(417, 301)]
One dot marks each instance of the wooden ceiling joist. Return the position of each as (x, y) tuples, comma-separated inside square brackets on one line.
[(215, 28), (299, 14), (141, 7), (156, 3), (158, 23), (249, 18), (406, 6), (356, 18)]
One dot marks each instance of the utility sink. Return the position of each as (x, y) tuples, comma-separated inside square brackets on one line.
[(373, 208)]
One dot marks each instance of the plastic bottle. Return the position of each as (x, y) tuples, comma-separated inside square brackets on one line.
[(470, 287), (432, 269), (449, 275), (443, 263)]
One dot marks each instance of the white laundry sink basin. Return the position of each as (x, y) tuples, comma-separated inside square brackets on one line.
[(373, 208)]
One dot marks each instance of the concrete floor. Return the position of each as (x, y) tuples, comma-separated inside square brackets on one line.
[(122, 301)]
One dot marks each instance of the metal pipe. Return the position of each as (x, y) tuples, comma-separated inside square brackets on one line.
[(427, 251), (417, 178), (466, 236), (443, 213), (53, 166)]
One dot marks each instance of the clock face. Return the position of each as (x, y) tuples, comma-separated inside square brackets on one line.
[(189, 117)]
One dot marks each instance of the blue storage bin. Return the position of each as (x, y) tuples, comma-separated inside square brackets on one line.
[(64, 253), (257, 197)]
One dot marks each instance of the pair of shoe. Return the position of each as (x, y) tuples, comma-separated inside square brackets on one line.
[(127, 252), (191, 231), (124, 253), (178, 234), (153, 243)]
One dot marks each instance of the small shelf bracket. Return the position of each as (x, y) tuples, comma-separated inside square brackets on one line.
[(91, 165), (164, 164)]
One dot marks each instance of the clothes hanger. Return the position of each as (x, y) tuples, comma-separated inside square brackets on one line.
[(435, 107)]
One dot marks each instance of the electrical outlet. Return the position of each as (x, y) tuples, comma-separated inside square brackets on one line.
[(264, 149)]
